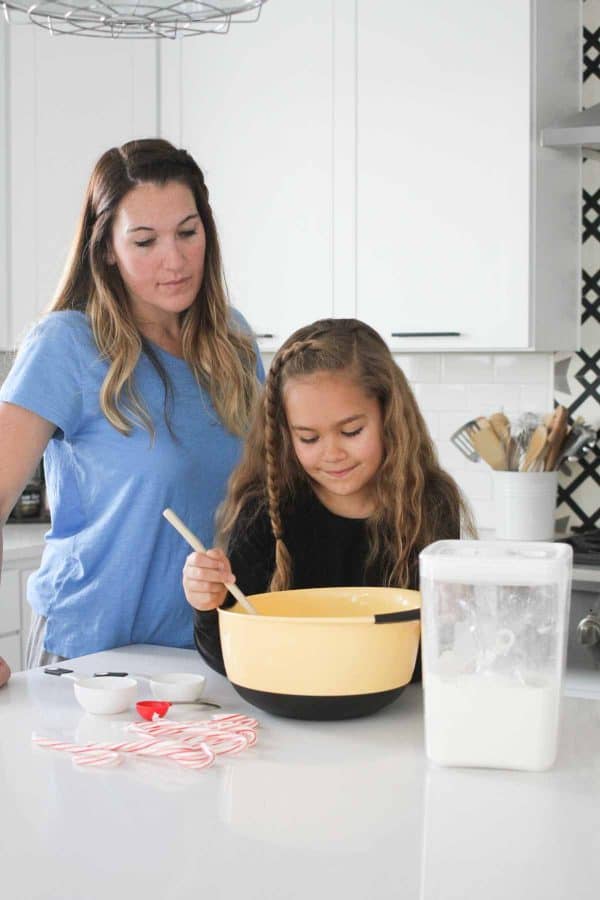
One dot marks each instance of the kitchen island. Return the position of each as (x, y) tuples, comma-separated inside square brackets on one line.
[(315, 810)]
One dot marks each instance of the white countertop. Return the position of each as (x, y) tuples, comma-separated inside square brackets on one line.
[(315, 810)]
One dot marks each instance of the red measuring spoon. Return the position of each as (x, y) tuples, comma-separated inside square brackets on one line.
[(148, 709)]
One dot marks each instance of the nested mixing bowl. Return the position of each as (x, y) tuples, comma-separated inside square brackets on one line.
[(322, 653)]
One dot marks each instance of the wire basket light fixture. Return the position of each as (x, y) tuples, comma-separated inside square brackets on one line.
[(171, 19)]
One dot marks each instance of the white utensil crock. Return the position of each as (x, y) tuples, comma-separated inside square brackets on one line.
[(525, 503)]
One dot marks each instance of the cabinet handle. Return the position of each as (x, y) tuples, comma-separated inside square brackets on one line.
[(410, 334), (264, 335)]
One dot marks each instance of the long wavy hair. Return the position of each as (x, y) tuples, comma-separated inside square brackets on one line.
[(416, 501), (219, 353)]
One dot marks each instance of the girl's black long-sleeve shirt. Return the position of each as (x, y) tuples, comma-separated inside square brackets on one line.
[(327, 550)]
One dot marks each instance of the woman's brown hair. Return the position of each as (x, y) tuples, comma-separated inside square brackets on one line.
[(219, 353), (416, 501)]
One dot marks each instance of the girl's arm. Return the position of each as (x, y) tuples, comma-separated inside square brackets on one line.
[(252, 557)]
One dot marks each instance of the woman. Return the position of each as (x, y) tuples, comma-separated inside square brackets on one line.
[(137, 388)]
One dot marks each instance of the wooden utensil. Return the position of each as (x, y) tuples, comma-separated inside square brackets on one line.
[(196, 544), (557, 432), (488, 445), (501, 426), (536, 449)]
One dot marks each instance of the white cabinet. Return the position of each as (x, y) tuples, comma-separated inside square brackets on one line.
[(69, 100), (382, 159), (467, 230), (23, 545), (255, 108)]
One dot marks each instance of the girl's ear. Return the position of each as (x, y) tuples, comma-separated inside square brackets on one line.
[(110, 256)]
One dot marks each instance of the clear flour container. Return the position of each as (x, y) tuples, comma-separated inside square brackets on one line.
[(494, 625)]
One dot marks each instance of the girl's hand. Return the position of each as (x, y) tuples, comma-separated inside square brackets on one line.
[(4, 672), (204, 579)]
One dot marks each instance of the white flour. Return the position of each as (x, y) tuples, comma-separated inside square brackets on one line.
[(490, 720)]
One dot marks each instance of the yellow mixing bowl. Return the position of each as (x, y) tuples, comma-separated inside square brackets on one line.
[(322, 653)]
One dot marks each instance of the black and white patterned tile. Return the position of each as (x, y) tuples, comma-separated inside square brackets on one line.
[(577, 375)]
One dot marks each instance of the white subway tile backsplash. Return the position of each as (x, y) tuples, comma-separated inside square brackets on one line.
[(484, 399), (476, 482), (467, 367), (449, 422), (536, 398), (432, 420), (484, 513), (420, 367), (452, 459), (441, 397), (519, 368)]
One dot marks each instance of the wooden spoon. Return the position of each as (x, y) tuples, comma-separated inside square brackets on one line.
[(488, 445), (536, 449), (557, 431), (501, 426), (196, 544)]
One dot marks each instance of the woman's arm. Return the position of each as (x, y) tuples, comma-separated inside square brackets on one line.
[(23, 439)]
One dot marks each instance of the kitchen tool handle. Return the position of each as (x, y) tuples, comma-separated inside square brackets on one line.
[(194, 703), (196, 544), (419, 334), (60, 671), (405, 615), (111, 674)]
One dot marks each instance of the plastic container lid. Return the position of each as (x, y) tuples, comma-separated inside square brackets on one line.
[(496, 562)]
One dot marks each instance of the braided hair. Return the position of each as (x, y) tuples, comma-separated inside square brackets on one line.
[(416, 501)]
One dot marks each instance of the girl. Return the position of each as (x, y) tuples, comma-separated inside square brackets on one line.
[(137, 386), (339, 484)]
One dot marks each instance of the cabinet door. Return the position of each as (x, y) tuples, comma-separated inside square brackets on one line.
[(443, 166), (255, 109), (70, 100)]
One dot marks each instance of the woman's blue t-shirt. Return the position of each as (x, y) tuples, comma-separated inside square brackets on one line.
[(111, 570)]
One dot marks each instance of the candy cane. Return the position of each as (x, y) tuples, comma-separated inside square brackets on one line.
[(222, 741), (108, 754), (97, 758), (200, 742), (234, 720), (226, 724), (84, 755)]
